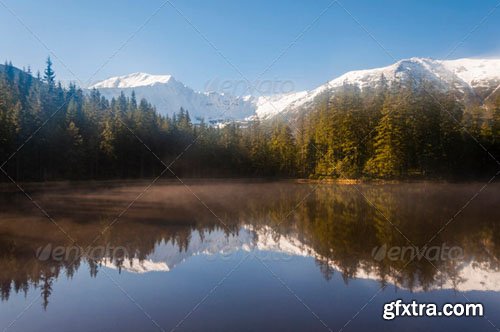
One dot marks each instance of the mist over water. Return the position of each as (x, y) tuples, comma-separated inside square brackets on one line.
[(333, 245)]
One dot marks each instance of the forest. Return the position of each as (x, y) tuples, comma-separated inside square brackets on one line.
[(51, 132)]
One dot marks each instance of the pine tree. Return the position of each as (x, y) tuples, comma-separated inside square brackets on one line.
[(389, 143), (49, 75), (282, 147)]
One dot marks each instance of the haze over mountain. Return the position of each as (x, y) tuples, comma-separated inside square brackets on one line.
[(472, 80)]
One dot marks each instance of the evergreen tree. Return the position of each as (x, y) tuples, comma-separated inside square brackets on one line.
[(49, 75), (390, 143)]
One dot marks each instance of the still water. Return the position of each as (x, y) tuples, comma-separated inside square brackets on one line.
[(245, 256)]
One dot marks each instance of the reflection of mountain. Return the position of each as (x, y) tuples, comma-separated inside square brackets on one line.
[(334, 225), (139, 266), (166, 255)]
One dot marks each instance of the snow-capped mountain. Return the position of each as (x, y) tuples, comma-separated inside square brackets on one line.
[(471, 79), (132, 81), (169, 95)]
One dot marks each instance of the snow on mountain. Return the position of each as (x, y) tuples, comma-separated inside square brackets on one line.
[(475, 72), (472, 78), (169, 95), (448, 73), (467, 76), (267, 106), (132, 81)]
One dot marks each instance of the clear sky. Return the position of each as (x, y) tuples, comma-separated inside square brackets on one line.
[(250, 35)]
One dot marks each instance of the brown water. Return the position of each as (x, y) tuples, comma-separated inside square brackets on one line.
[(234, 255)]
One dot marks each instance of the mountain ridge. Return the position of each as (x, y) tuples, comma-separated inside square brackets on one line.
[(472, 78), (132, 80)]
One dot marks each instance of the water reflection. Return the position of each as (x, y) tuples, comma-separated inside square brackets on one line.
[(341, 227)]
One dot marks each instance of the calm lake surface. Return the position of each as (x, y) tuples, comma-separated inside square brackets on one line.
[(242, 256)]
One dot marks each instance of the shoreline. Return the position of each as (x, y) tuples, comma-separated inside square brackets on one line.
[(198, 180)]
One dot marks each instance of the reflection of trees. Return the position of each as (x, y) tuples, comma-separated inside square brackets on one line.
[(20, 269), (337, 222), (344, 224)]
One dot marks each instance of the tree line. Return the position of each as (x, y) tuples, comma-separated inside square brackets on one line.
[(399, 132), (387, 132)]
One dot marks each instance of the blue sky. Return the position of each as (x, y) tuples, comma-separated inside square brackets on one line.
[(247, 35)]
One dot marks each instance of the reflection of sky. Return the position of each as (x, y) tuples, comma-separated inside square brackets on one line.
[(264, 243), (249, 297)]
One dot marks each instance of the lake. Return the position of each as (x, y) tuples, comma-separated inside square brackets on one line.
[(246, 256)]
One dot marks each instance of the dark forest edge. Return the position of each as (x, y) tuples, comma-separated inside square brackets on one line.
[(401, 132)]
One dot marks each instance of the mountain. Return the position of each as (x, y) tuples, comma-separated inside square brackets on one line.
[(169, 95), (472, 80)]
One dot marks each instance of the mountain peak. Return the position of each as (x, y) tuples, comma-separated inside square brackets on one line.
[(132, 80), (469, 77)]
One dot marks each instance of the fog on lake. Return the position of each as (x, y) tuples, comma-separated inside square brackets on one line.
[(265, 255)]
